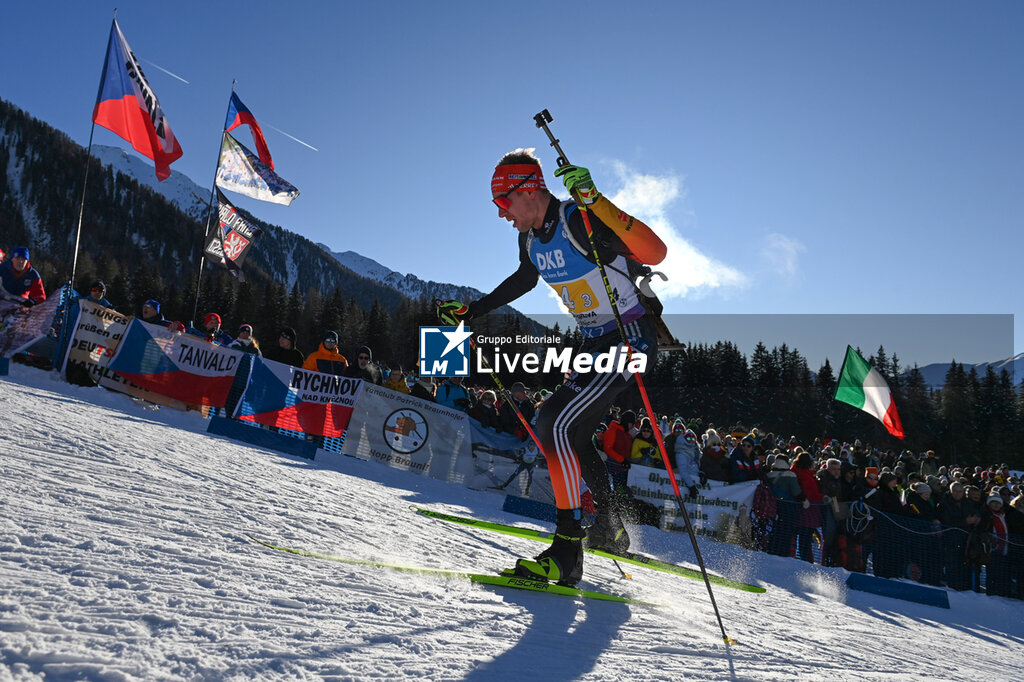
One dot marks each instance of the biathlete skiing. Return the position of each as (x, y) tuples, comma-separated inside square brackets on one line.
[(554, 245)]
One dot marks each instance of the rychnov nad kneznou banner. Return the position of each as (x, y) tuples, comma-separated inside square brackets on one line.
[(298, 399)]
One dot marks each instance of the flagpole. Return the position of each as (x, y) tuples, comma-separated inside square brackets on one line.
[(81, 207), (209, 210)]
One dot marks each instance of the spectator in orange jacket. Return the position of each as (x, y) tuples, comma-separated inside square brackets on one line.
[(618, 447), (326, 357)]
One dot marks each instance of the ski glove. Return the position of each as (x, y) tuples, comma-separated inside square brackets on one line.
[(451, 312), (578, 181), (28, 303), (693, 491)]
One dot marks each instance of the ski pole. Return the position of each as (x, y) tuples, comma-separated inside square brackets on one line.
[(542, 119)]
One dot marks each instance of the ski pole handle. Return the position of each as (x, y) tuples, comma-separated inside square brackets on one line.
[(542, 119)]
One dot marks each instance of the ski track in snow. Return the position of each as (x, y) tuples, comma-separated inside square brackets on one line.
[(123, 556)]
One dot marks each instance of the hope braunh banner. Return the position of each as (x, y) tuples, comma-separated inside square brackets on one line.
[(410, 434), (297, 399), (718, 511), (97, 334)]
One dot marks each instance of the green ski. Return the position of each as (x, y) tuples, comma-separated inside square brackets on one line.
[(628, 557), (481, 578)]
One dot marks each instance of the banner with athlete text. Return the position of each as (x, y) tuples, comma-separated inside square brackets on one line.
[(410, 434), (298, 399), (719, 510), (96, 335), (179, 366)]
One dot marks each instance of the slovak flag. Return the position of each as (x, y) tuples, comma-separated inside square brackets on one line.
[(127, 106), (239, 114)]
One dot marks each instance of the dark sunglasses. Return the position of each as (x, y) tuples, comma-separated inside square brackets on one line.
[(363, 357), (327, 341), (502, 201)]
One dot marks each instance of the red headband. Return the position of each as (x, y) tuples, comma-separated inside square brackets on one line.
[(509, 175)]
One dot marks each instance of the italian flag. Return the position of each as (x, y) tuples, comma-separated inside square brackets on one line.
[(862, 386)]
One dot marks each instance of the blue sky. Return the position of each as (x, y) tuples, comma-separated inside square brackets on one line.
[(799, 157)]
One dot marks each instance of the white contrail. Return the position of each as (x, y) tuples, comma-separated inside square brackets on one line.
[(294, 138), (167, 72)]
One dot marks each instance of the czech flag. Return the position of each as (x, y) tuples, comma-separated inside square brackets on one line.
[(127, 106), (298, 399), (178, 366), (239, 114)]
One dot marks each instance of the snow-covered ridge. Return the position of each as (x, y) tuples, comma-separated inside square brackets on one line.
[(408, 284), (179, 189), (935, 373)]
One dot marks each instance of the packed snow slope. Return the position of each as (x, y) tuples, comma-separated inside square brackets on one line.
[(123, 556)]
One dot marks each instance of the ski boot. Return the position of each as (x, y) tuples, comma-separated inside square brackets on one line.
[(562, 562), (607, 533)]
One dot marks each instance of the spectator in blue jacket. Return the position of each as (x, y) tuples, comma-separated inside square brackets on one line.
[(452, 393), (211, 331), (741, 461), (97, 294)]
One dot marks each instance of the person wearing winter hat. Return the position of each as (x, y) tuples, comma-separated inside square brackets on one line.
[(714, 461), (998, 579), (786, 487), (21, 282), (245, 341), (741, 461), (618, 449), (396, 380), (686, 456), (365, 368), (284, 351), (151, 312), (644, 450), (598, 438), (326, 358), (510, 419), (97, 294), (211, 331), (423, 388)]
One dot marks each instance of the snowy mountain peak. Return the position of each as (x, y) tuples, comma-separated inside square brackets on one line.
[(179, 189), (408, 284)]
